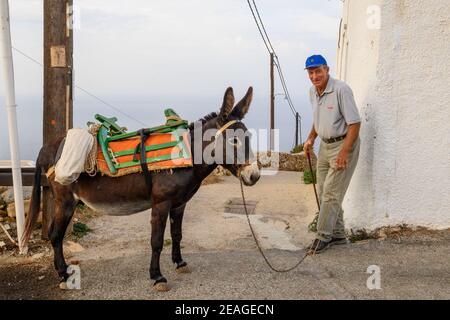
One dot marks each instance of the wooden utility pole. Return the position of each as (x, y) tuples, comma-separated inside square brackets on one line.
[(298, 129), (58, 64), (272, 102)]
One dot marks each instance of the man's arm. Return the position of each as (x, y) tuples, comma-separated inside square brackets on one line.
[(352, 135), (307, 146)]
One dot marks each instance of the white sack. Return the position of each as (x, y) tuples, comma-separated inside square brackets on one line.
[(78, 144)]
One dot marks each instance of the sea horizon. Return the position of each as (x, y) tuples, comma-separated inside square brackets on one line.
[(137, 110)]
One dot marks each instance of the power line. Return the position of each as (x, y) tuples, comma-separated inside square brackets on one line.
[(271, 50), (264, 28), (85, 91), (27, 56), (267, 43), (259, 28), (285, 89), (110, 105)]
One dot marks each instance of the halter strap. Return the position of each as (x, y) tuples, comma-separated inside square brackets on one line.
[(225, 127)]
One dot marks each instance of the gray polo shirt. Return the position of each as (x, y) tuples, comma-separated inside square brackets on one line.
[(334, 110)]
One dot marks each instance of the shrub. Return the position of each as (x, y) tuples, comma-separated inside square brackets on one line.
[(297, 149), (308, 177), (80, 229)]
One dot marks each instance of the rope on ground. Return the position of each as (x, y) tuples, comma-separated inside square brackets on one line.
[(8, 235), (258, 244)]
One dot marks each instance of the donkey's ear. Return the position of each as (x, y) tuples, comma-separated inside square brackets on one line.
[(241, 108), (227, 106)]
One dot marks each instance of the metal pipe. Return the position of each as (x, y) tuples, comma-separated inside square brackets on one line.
[(10, 100)]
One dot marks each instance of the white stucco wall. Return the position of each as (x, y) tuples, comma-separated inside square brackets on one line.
[(400, 74)]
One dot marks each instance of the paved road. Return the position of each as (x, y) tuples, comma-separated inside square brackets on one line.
[(225, 263), (413, 270)]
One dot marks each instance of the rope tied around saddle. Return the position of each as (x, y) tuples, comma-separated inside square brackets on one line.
[(91, 161)]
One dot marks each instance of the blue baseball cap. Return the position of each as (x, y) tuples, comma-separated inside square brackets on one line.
[(315, 61)]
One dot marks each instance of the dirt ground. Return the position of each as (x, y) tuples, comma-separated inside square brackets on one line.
[(225, 264)]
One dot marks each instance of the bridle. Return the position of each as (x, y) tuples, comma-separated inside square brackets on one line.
[(223, 128), (220, 132)]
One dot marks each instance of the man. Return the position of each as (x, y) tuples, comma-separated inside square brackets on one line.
[(337, 123)]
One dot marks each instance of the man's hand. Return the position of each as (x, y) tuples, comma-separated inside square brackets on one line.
[(307, 146), (342, 159)]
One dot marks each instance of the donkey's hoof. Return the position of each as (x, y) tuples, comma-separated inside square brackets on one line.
[(161, 287), (183, 268)]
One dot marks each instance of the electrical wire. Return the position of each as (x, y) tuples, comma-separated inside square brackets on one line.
[(264, 28), (85, 91), (268, 44), (259, 28)]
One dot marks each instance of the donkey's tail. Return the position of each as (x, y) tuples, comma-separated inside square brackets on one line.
[(35, 204)]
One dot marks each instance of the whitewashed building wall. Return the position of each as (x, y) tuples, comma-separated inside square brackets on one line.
[(396, 57)]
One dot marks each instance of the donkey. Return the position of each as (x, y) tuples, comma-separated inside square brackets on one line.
[(129, 194)]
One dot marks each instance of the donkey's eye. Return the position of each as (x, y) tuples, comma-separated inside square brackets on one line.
[(234, 141)]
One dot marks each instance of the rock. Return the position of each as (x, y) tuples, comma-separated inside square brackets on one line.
[(11, 210), (220, 171), (395, 229), (63, 286), (37, 256), (382, 235), (7, 227), (73, 247), (3, 204), (8, 195), (2, 244)]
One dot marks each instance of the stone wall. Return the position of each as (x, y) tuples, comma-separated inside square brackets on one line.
[(286, 161), (7, 207)]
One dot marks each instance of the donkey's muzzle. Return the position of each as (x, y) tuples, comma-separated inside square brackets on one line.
[(250, 174)]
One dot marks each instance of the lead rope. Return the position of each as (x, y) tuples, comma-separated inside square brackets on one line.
[(257, 242), (307, 253)]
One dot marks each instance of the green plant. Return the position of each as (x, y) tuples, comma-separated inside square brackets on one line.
[(312, 227), (81, 207), (80, 229), (308, 177), (297, 149), (359, 235)]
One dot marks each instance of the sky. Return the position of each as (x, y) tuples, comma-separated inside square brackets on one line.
[(143, 56)]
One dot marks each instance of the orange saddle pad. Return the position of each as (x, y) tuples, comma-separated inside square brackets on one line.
[(170, 153)]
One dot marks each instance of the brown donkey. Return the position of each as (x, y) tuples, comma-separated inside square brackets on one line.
[(170, 191)]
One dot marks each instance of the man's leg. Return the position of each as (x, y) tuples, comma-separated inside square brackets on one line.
[(334, 188), (339, 229), (321, 173), (322, 170)]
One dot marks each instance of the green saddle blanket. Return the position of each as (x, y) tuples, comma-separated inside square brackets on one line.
[(118, 149)]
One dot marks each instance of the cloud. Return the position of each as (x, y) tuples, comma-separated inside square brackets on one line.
[(187, 47), (26, 11), (316, 24)]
